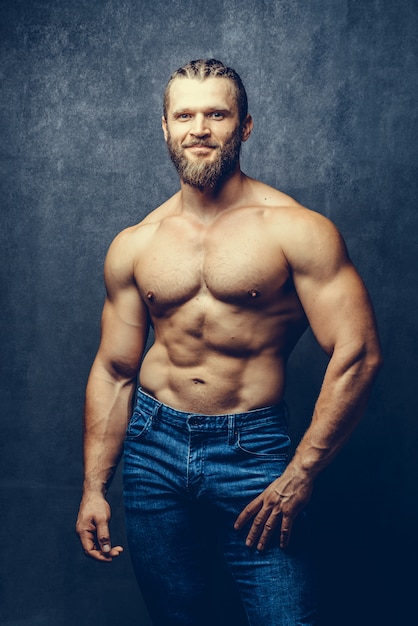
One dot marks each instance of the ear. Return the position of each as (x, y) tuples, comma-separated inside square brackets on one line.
[(247, 127), (164, 127)]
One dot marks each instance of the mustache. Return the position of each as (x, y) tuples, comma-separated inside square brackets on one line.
[(200, 143)]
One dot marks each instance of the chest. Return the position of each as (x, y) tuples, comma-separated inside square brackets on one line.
[(235, 262)]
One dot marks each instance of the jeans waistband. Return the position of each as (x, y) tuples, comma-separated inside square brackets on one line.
[(210, 422)]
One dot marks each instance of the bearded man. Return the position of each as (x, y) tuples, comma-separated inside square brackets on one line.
[(229, 272)]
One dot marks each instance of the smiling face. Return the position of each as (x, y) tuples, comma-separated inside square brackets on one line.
[(202, 130)]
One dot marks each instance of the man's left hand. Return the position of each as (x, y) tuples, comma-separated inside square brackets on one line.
[(277, 506)]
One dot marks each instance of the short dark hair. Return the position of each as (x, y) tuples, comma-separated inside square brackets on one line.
[(206, 68)]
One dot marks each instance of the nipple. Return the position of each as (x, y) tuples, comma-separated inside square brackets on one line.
[(254, 293)]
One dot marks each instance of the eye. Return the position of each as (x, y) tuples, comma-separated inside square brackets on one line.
[(183, 117), (217, 115)]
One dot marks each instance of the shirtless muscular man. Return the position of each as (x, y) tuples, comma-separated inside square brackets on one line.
[(229, 272)]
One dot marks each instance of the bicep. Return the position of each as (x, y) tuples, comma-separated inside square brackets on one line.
[(338, 309), (124, 326), (124, 331), (331, 291)]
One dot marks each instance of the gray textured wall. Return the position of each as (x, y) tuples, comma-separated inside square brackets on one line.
[(333, 91)]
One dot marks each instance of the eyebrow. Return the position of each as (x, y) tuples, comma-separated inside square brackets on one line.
[(212, 109)]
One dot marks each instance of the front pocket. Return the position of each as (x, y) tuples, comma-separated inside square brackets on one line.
[(266, 440), (139, 424)]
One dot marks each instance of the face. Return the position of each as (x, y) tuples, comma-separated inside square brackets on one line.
[(202, 130)]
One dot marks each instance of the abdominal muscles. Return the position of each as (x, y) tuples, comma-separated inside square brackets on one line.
[(213, 357)]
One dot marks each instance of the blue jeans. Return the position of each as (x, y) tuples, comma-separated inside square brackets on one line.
[(186, 479)]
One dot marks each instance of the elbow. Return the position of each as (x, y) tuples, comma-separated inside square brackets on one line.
[(364, 360), (123, 373), (372, 361), (116, 371), (376, 362)]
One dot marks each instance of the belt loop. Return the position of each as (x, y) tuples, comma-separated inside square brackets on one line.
[(231, 429), (156, 410)]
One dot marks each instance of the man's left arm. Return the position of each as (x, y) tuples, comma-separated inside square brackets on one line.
[(340, 314)]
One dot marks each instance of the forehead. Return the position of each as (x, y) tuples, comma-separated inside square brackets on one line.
[(217, 93)]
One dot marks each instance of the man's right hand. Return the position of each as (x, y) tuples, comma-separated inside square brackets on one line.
[(93, 529)]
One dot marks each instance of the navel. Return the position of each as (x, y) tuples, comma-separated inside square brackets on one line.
[(150, 295)]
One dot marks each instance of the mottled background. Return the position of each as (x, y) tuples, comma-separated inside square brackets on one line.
[(333, 90)]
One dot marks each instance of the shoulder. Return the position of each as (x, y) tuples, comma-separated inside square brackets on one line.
[(308, 239), (130, 244), (312, 242), (130, 241)]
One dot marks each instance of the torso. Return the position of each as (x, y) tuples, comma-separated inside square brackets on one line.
[(225, 311)]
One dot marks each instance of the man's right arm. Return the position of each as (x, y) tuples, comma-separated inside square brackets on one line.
[(109, 392)]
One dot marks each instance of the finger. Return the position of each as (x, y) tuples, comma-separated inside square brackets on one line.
[(285, 531), (114, 552), (98, 555), (92, 548), (248, 513), (104, 542), (257, 527), (103, 537), (269, 527)]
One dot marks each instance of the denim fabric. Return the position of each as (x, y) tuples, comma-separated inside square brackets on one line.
[(186, 478)]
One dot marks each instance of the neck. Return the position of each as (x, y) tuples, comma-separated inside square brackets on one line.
[(209, 202)]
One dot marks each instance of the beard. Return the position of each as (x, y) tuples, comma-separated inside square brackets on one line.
[(199, 173)]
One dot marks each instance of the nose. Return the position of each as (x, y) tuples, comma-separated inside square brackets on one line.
[(199, 127)]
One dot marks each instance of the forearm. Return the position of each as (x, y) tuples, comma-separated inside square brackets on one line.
[(340, 404), (339, 408), (107, 412)]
